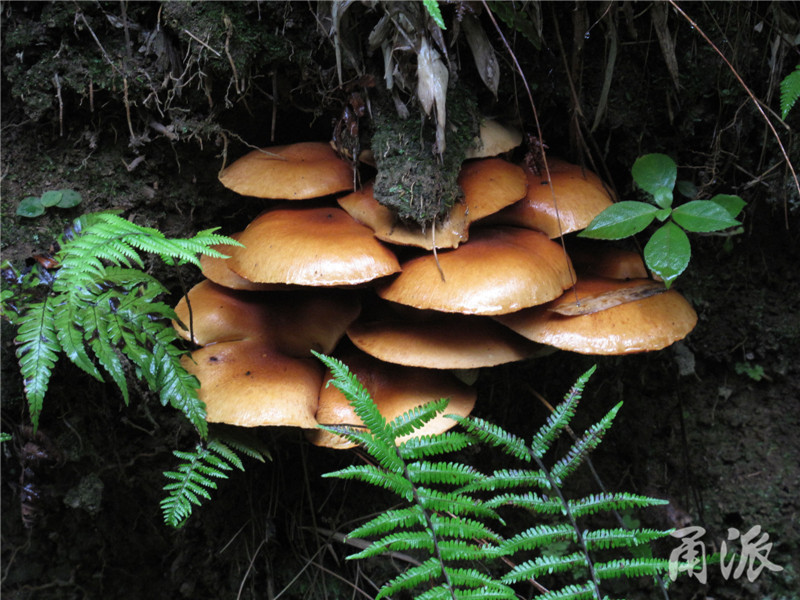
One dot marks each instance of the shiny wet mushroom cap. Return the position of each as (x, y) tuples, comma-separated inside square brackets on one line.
[(313, 246), (293, 172), (651, 322)]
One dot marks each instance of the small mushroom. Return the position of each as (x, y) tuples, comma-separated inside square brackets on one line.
[(395, 390), (294, 172), (494, 138), (500, 270), (630, 325), (577, 197), (488, 186)]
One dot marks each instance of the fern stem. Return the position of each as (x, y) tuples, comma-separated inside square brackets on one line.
[(428, 522), (579, 535)]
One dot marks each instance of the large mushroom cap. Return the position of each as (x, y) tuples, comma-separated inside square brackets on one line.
[(248, 383), (437, 341), (500, 270), (293, 172), (395, 390), (316, 246), (649, 323), (577, 197), (255, 367), (217, 270)]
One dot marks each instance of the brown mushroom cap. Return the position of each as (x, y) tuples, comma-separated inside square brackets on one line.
[(395, 390), (641, 325), (434, 340), (293, 172), (316, 246), (579, 197), (494, 138), (294, 322), (217, 270), (248, 383), (255, 367), (500, 270)]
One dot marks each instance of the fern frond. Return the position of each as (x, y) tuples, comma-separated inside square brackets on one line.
[(431, 445), (605, 502), (425, 472), (790, 91), (496, 436), (428, 570), (390, 520), (67, 320), (618, 537), (414, 419), (583, 446), (528, 501), (458, 504), (462, 527), (542, 565), (37, 353), (358, 396), (571, 592), (383, 452), (509, 478), (395, 542), (192, 480), (461, 550), (538, 537), (376, 476), (631, 567)]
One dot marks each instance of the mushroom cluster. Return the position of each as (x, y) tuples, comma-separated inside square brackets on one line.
[(327, 268)]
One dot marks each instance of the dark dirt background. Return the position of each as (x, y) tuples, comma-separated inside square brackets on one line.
[(720, 444)]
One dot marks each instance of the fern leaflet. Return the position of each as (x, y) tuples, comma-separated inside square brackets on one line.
[(790, 91)]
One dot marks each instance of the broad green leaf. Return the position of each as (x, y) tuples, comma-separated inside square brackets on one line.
[(656, 174), (733, 204), (667, 253), (703, 215), (686, 189), (69, 198), (51, 197), (620, 220), (30, 207), (432, 6)]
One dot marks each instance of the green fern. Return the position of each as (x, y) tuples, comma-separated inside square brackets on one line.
[(452, 511), (99, 306), (790, 91), (195, 476)]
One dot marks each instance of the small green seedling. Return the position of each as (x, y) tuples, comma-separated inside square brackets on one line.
[(34, 206), (668, 251)]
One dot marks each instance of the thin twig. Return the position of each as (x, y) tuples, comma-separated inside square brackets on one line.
[(696, 27)]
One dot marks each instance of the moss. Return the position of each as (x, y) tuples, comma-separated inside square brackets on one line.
[(411, 179)]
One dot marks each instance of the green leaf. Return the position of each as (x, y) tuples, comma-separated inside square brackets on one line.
[(686, 188), (620, 220), (69, 198), (733, 204), (656, 174), (667, 253), (51, 197), (790, 91), (702, 216), (30, 207), (432, 6)]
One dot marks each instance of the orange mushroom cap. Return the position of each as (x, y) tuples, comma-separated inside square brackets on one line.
[(639, 325), (435, 340), (217, 270), (314, 246), (500, 270), (395, 390), (293, 172), (577, 197)]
